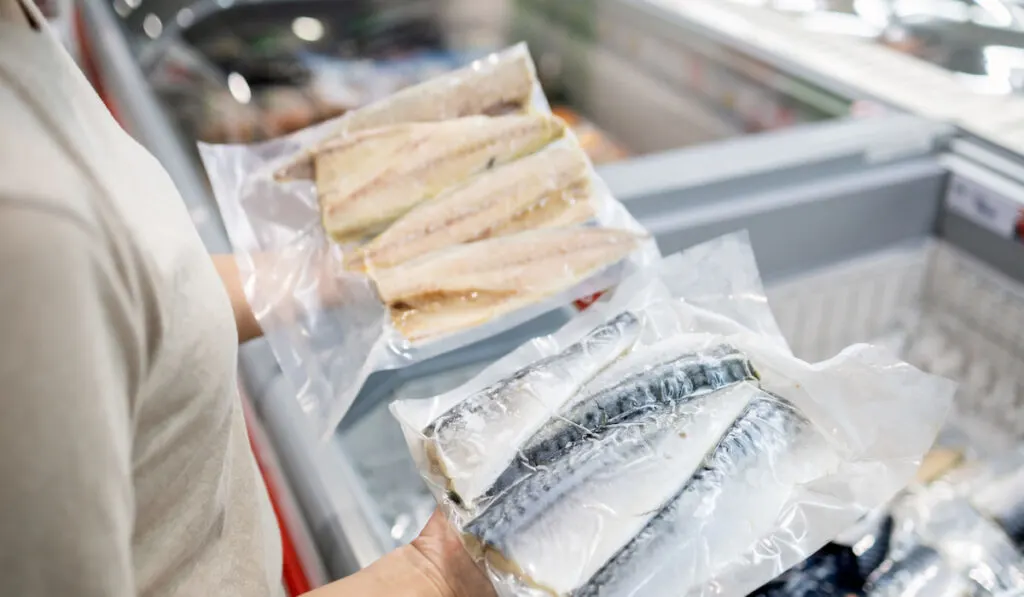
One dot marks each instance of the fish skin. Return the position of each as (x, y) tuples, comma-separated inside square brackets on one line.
[(550, 188), (1002, 500), (474, 440), (832, 571), (470, 284), (487, 88), (569, 541), (874, 548), (524, 492), (921, 573), (678, 379), (768, 428), (368, 182)]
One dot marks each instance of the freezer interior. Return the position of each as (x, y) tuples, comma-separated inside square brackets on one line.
[(981, 42), (855, 243), (628, 84)]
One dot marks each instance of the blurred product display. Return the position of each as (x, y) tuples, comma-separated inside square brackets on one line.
[(958, 534)]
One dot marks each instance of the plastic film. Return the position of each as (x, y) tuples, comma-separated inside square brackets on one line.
[(440, 216), (666, 441)]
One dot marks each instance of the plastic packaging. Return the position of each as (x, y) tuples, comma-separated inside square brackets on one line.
[(960, 535), (667, 442), (438, 217)]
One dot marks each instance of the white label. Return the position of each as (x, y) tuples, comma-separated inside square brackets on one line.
[(984, 206)]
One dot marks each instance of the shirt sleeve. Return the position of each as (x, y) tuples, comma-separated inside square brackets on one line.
[(69, 360)]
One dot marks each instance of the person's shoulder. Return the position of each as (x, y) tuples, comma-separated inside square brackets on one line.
[(37, 171), (47, 199)]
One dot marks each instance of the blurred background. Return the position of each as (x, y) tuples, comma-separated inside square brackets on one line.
[(873, 149)]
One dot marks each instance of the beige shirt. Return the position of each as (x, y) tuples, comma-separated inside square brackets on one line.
[(125, 468)]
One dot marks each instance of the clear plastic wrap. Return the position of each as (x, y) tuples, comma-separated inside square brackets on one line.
[(959, 535), (449, 212), (667, 442)]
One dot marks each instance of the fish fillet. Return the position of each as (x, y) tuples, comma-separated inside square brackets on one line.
[(596, 499), (472, 442), (577, 444), (734, 498), (550, 188), (922, 573), (661, 386), (368, 181), (483, 88), (472, 283)]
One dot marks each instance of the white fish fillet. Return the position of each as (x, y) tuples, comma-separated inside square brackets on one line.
[(367, 181), (475, 440), (472, 283), (550, 188), (484, 88), (573, 540)]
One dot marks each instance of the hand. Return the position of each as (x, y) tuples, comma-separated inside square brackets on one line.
[(439, 545), (434, 565), (280, 278)]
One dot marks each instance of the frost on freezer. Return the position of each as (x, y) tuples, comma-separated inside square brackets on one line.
[(683, 454)]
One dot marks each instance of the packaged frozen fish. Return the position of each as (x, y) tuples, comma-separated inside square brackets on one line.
[(366, 180), (446, 213), (946, 534), (666, 442)]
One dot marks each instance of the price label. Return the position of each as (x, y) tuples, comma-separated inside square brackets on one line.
[(986, 207)]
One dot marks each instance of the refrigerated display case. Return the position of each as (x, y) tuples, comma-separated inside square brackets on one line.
[(859, 237), (892, 227), (980, 41), (246, 71)]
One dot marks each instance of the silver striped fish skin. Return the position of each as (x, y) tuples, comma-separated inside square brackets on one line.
[(569, 369), (768, 427), (535, 492), (664, 384), (922, 572)]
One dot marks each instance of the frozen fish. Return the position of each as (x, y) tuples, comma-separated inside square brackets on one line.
[(707, 521), (474, 440), (651, 389), (619, 446), (367, 181), (921, 573), (565, 533), (1002, 500), (831, 572), (488, 88), (547, 189), (470, 284), (873, 548)]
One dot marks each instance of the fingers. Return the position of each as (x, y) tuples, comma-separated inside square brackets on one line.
[(440, 544)]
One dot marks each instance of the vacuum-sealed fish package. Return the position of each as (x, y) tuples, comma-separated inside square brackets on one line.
[(437, 217), (666, 442)]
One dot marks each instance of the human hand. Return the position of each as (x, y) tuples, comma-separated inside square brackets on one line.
[(439, 545), (434, 565)]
